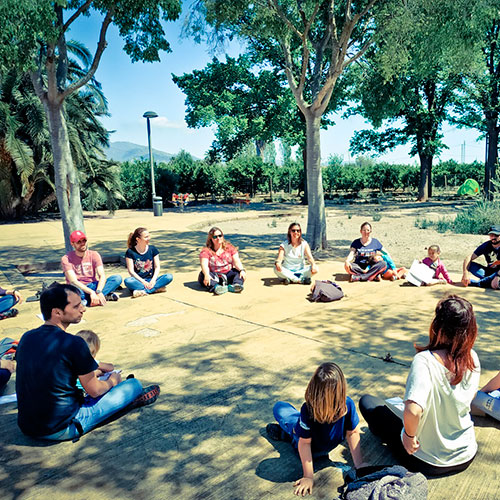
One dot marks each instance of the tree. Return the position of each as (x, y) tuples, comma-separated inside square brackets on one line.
[(33, 39), (313, 42), (409, 79), (478, 106)]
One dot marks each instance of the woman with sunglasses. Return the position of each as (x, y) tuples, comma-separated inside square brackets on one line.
[(221, 267), (290, 265)]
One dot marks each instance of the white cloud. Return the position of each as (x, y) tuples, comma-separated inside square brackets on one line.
[(164, 122)]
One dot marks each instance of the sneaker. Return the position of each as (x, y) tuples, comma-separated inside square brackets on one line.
[(138, 293), (305, 281), (286, 281), (149, 396), (276, 433), (129, 376), (112, 297), (236, 288), (220, 289), (161, 289), (11, 313), (355, 277)]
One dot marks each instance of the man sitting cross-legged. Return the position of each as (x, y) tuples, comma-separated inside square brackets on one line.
[(49, 361), (83, 268)]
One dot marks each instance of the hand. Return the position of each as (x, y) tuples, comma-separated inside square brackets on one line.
[(303, 486), (347, 267), (116, 378), (7, 364), (18, 296), (149, 284), (101, 299), (243, 274), (465, 280), (206, 280), (94, 299), (314, 269), (411, 444), (278, 267)]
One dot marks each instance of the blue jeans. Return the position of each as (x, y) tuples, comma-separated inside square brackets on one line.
[(134, 284), (287, 417), (7, 302), (95, 410), (485, 274), (112, 283)]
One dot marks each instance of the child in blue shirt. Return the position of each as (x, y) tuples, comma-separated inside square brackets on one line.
[(327, 417)]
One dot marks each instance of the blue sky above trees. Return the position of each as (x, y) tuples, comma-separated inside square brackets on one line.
[(133, 88)]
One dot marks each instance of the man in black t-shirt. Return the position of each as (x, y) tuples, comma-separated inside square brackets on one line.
[(49, 361), (488, 275)]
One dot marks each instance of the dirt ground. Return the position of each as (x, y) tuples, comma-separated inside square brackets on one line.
[(222, 362)]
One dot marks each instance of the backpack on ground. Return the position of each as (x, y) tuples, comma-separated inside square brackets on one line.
[(326, 291)]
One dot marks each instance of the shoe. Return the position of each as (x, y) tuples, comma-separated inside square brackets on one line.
[(236, 288), (305, 281), (276, 433), (149, 396), (11, 313), (286, 281), (138, 293), (220, 289), (355, 277), (161, 289), (129, 376), (112, 297)]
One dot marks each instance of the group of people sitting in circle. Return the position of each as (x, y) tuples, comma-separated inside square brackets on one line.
[(434, 435)]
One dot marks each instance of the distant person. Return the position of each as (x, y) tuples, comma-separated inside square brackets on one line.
[(488, 275), (49, 361), (83, 268), (327, 417), (8, 299), (143, 265), (433, 261), (436, 434), (359, 263), (290, 263), (221, 267)]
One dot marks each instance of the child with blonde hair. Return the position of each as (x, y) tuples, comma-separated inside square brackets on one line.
[(327, 417), (94, 343)]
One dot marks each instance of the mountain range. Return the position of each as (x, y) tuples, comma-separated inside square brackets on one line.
[(128, 151)]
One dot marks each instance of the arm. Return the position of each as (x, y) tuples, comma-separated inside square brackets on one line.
[(310, 258), (14, 293), (279, 259), (354, 442), (8, 364), (239, 266), (411, 418), (101, 278), (205, 270), (106, 367), (349, 259), (95, 387), (304, 485), (466, 275), (493, 384), (444, 272), (156, 264), (73, 280)]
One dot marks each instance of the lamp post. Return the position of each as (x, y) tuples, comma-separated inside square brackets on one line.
[(157, 211)]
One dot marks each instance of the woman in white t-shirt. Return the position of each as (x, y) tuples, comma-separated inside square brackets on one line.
[(436, 435), (290, 265)]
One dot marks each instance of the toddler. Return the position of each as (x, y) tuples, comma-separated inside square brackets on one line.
[(434, 262)]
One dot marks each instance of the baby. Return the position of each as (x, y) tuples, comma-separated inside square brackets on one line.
[(94, 344), (434, 262)]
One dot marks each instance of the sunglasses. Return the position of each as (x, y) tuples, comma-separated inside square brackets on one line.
[(215, 236), (295, 230)]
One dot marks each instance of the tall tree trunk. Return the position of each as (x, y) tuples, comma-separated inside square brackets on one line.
[(66, 178), (316, 217), (304, 166), (491, 158), (424, 190)]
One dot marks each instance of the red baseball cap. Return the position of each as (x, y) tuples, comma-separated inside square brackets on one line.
[(77, 236)]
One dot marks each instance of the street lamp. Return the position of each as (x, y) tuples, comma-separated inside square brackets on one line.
[(157, 201)]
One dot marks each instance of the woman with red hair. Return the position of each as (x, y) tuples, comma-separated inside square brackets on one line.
[(436, 435)]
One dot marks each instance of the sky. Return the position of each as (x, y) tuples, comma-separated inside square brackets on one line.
[(133, 88)]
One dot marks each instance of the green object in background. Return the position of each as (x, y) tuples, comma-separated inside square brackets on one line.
[(470, 186)]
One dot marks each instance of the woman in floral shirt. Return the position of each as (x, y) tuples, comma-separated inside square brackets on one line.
[(221, 267)]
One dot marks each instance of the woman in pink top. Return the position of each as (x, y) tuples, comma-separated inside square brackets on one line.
[(221, 267)]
